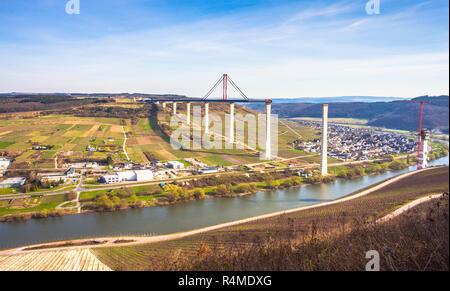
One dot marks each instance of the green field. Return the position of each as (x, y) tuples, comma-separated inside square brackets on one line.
[(64, 133), (33, 204)]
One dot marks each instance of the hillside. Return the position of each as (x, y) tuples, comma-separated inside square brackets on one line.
[(69, 126), (28, 103), (16, 102), (395, 114), (438, 101)]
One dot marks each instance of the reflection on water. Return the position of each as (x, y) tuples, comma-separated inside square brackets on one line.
[(313, 200), (181, 217)]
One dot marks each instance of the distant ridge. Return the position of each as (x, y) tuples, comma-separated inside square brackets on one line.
[(94, 95), (392, 114), (311, 100), (314, 100)]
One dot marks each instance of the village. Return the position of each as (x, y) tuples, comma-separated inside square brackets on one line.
[(357, 143)]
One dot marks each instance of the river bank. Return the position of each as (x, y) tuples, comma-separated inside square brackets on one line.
[(182, 216), (125, 198)]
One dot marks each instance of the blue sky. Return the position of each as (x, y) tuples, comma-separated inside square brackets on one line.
[(271, 48)]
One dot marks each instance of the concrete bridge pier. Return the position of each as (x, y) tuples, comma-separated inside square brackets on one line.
[(206, 117), (231, 123), (188, 113), (268, 153), (174, 107), (164, 105), (324, 147)]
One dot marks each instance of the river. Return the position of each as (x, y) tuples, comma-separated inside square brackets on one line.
[(183, 216)]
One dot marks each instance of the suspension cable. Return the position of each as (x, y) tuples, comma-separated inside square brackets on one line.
[(213, 88), (231, 82), (238, 89)]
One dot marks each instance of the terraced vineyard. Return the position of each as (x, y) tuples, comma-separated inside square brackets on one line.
[(71, 260)]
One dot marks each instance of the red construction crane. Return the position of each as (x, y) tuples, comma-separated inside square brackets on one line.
[(419, 143), (225, 83)]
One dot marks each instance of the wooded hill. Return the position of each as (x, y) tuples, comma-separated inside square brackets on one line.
[(26, 103), (394, 115)]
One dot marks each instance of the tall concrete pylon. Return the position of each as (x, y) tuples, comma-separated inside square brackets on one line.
[(188, 113), (268, 153), (174, 107), (324, 146), (206, 117), (231, 136), (164, 105)]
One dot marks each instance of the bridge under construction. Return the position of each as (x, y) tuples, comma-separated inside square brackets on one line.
[(224, 80)]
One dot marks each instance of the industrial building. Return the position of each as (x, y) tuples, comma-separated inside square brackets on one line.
[(110, 179), (12, 183), (175, 165), (128, 176), (209, 170), (57, 176)]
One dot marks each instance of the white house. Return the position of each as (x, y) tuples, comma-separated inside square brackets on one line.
[(71, 173), (4, 164)]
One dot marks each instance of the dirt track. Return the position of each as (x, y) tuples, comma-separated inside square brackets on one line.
[(407, 207)]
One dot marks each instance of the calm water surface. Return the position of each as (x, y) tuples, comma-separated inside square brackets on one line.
[(181, 217)]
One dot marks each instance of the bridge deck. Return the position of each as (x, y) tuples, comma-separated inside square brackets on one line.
[(208, 100)]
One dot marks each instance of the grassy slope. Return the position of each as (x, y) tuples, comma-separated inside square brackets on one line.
[(300, 225)]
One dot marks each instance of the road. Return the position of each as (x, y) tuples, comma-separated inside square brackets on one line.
[(79, 188), (125, 143), (285, 124), (120, 185), (77, 198)]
